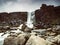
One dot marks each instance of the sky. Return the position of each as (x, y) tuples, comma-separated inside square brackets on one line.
[(25, 5)]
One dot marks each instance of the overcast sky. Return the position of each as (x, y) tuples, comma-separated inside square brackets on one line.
[(24, 5)]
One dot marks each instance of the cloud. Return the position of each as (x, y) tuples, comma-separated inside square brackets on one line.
[(12, 7), (24, 5), (5, 1), (31, 1)]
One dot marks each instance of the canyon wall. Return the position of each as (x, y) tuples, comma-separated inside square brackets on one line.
[(13, 17), (48, 14)]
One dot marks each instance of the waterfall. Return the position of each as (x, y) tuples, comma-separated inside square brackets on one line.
[(30, 19)]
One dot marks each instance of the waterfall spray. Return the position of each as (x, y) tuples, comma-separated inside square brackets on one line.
[(29, 21)]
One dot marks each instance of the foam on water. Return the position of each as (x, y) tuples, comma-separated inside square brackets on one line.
[(16, 31), (2, 38)]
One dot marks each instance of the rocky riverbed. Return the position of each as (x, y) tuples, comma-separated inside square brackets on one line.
[(49, 36)]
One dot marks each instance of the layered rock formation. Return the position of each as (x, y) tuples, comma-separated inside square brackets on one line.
[(48, 14), (13, 17)]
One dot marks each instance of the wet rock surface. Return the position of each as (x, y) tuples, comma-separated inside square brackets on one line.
[(36, 40), (17, 39), (35, 37)]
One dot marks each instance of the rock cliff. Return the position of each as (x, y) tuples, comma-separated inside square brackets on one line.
[(48, 14), (13, 18)]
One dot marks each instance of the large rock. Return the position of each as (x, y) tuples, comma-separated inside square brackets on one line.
[(10, 41), (54, 40), (57, 39), (22, 38), (25, 28), (36, 40), (16, 40), (40, 31)]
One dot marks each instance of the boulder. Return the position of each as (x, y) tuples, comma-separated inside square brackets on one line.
[(10, 41), (27, 29), (57, 39), (22, 38), (54, 40), (16, 40), (36, 40)]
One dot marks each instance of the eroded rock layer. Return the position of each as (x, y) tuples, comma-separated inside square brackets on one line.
[(47, 15)]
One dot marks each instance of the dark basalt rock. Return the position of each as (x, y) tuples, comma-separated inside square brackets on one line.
[(13, 18), (48, 14)]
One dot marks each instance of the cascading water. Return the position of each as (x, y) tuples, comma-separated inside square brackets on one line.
[(29, 21), (3, 37)]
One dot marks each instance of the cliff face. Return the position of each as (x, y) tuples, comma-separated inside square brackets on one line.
[(13, 17), (3, 16), (48, 14), (19, 16)]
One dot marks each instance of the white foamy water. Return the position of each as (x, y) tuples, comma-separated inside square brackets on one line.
[(2, 38), (20, 27), (29, 21), (17, 31)]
